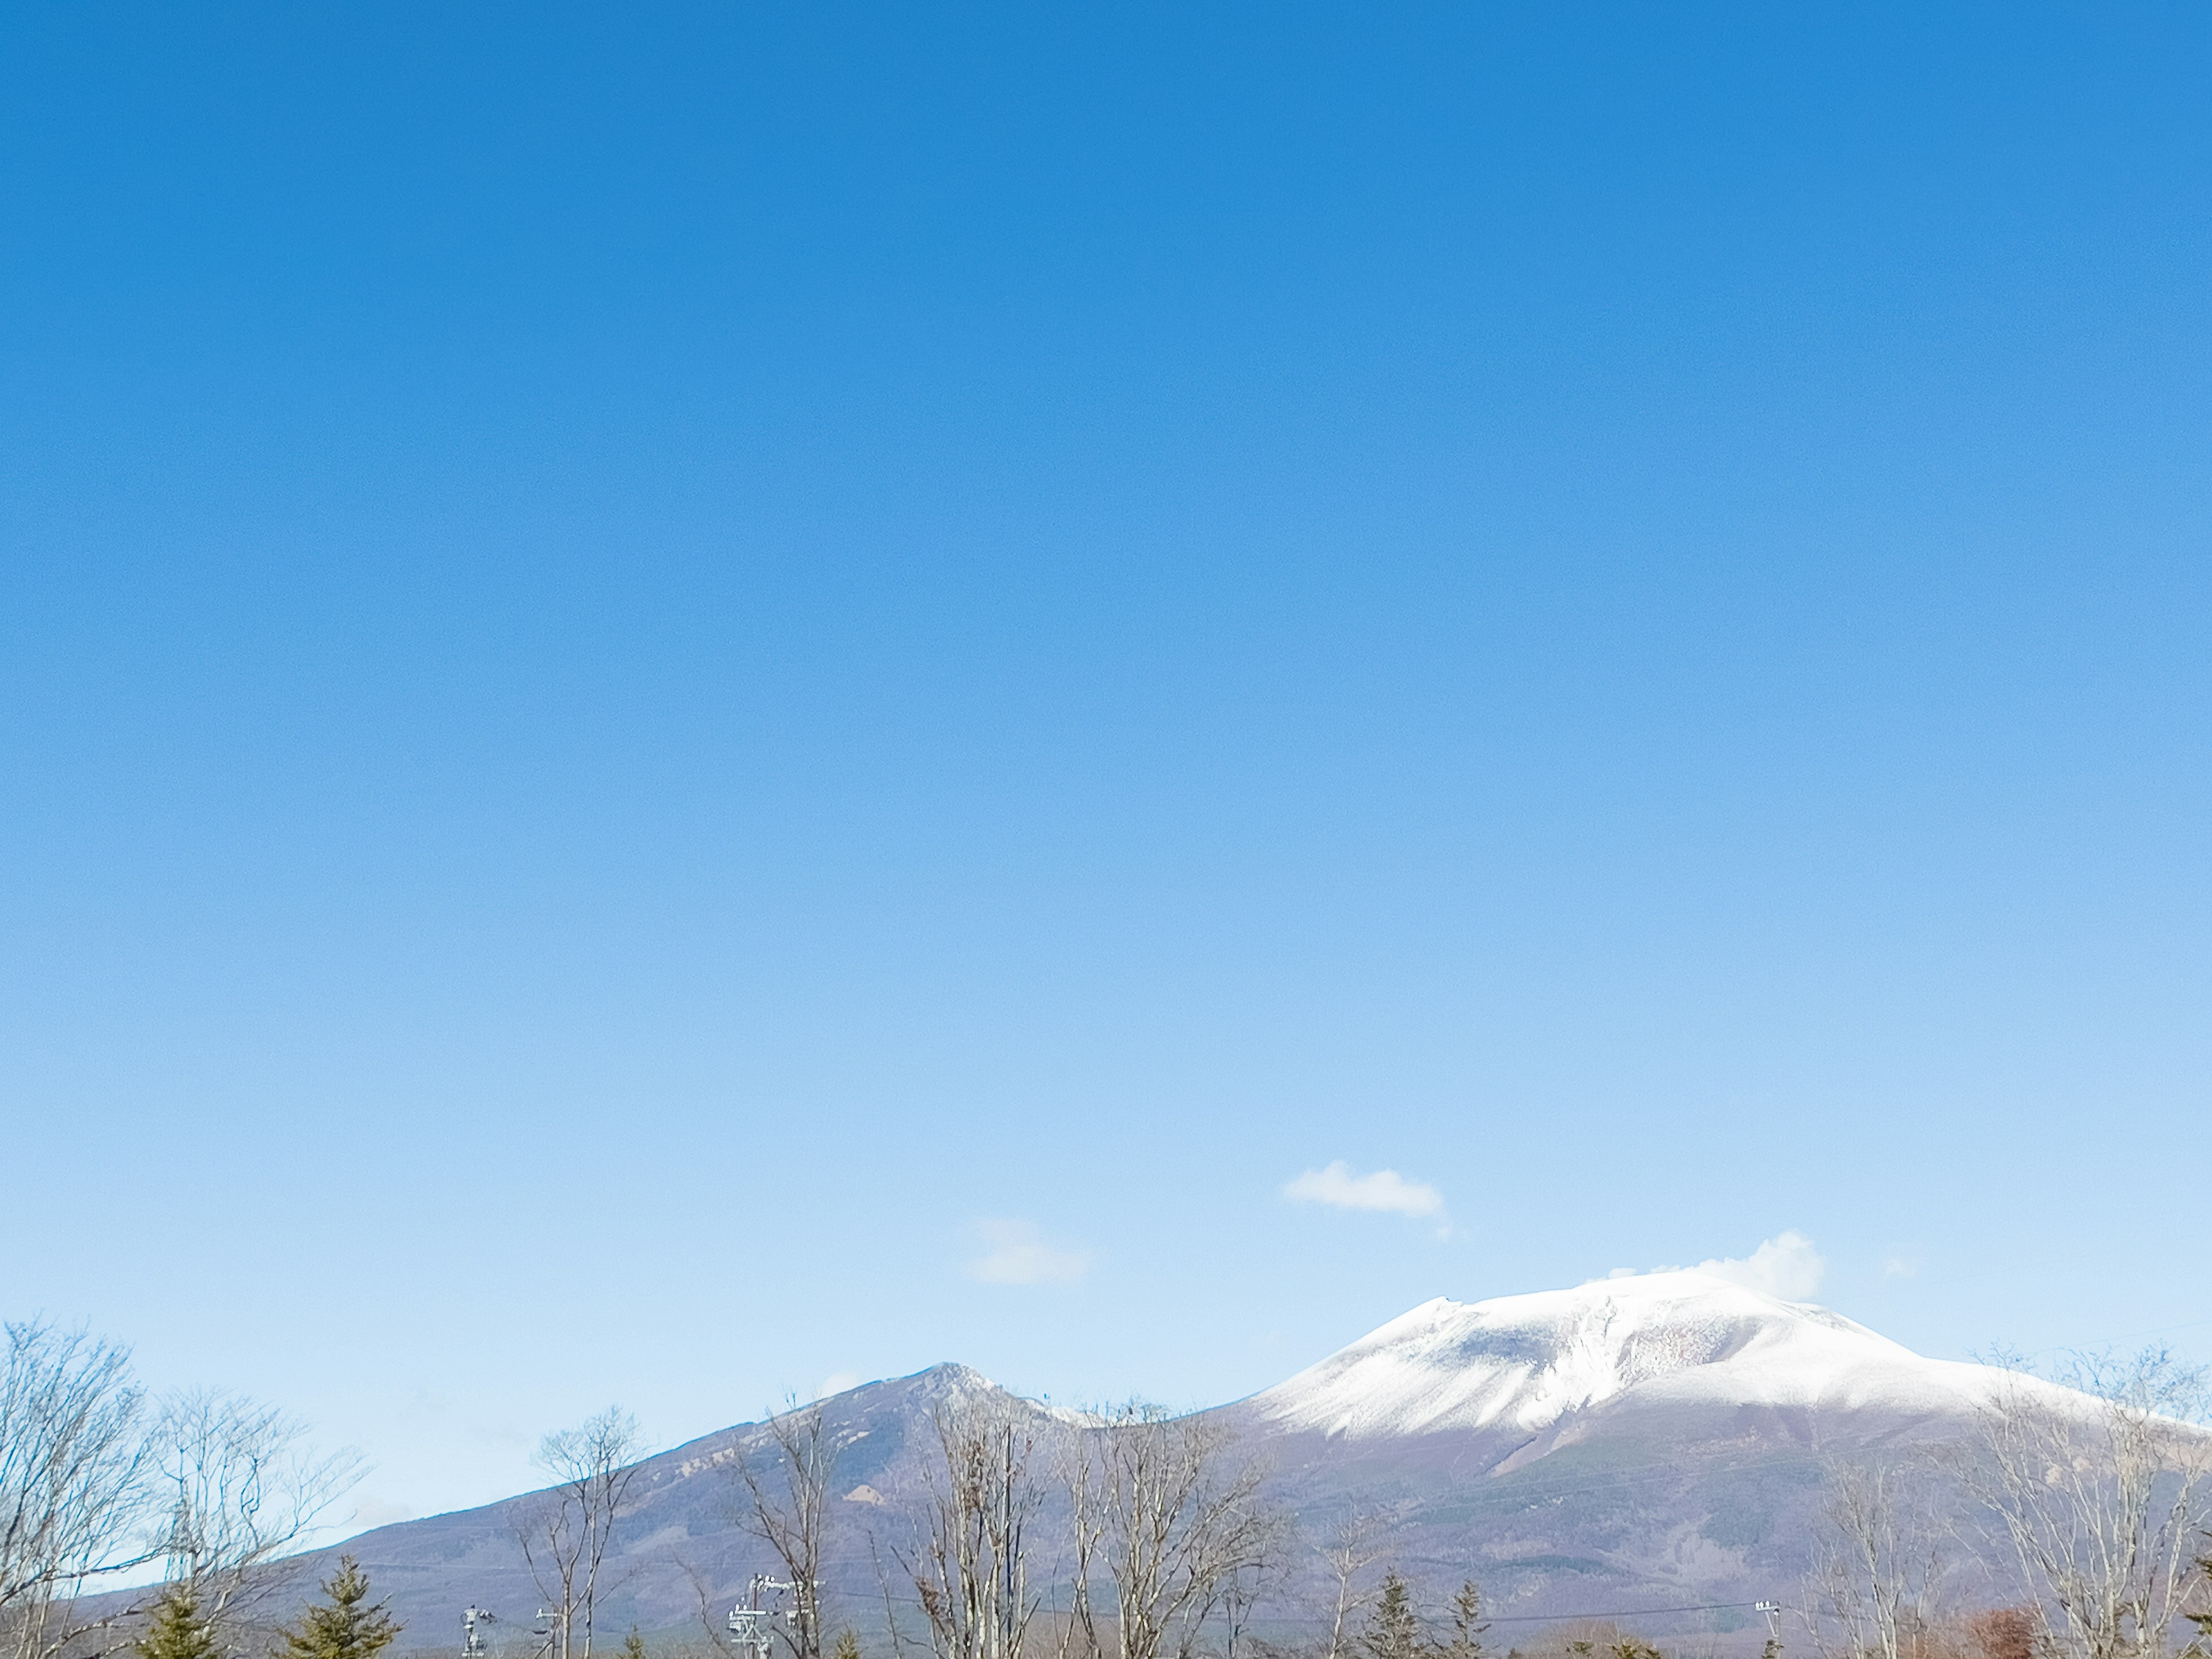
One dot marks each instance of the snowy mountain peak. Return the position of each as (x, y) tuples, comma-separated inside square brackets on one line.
[(1524, 1362)]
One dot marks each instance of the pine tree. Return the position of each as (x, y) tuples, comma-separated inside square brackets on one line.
[(340, 1627), (633, 1645), (848, 1645), (1393, 1631), (1467, 1626), (178, 1631)]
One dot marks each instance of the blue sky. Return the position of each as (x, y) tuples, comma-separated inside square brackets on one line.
[(701, 699)]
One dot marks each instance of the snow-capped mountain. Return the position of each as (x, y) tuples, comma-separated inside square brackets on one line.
[(1653, 1441), (1525, 1362)]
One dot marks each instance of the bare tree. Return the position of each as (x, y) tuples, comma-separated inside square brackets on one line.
[(1243, 1591), (788, 1507), (235, 1490), (566, 1531), (968, 1562), (1350, 1554), (1878, 1565), (72, 1459), (2098, 1502), (1172, 1517)]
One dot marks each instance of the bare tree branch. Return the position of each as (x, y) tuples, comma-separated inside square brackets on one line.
[(1173, 1518), (1878, 1565), (968, 1562), (566, 1532), (1350, 1552), (2098, 1506), (72, 1465), (237, 1491), (790, 1513)]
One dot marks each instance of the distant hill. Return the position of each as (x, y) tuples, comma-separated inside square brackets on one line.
[(1637, 1443)]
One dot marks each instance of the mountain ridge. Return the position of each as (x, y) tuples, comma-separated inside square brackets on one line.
[(1653, 1438)]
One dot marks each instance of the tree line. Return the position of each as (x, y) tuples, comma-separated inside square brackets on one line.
[(1132, 1533), (2072, 1524)]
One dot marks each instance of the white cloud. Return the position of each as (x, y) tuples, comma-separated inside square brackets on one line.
[(1019, 1255), (1339, 1186), (837, 1383), (1786, 1266), (1900, 1267)]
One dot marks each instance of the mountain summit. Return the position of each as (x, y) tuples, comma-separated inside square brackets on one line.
[(1524, 1362)]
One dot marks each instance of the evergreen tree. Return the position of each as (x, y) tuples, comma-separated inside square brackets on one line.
[(178, 1631), (1468, 1625), (1393, 1630), (633, 1645), (848, 1645), (340, 1627)]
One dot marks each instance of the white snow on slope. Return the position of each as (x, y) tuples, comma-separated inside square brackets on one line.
[(1524, 1361)]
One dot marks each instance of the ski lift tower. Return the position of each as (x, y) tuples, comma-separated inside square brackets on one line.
[(1773, 1612), (473, 1645), (750, 1621)]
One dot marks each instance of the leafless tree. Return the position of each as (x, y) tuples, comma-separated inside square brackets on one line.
[(969, 1560), (2097, 1503), (72, 1461), (1350, 1554), (1244, 1590), (1878, 1566), (236, 1489), (1172, 1516), (566, 1531), (788, 1507)]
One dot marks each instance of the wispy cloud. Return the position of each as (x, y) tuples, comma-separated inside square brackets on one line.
[(1900, 1267), (1340, 1187), (1786, 1266), (837, 1383), (1017, 1253)]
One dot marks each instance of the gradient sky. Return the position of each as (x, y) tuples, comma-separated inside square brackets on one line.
[(683, 687)]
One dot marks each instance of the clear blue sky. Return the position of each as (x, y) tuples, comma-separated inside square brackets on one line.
[(665, 676)]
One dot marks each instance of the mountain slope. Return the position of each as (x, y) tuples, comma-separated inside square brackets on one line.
[(1647, 1440), (679, 1549), (1653, 1441)]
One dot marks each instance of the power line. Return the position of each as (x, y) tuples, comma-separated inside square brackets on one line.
[(1640, 1613)]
